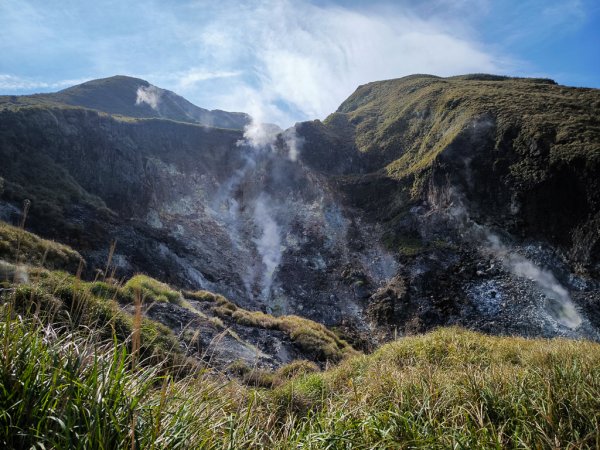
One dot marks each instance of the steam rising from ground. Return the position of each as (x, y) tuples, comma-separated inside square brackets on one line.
[(261, 139), (15, 273), (149, 95), (293, 142), (278, 216), (558, 301), (269, 244), (260, 135)]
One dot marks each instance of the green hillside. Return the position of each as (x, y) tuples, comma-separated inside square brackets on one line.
[(409, 121)]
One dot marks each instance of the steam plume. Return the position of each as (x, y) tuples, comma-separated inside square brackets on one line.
[(269, 243), (149, 95), (293, 142), (559, 304)]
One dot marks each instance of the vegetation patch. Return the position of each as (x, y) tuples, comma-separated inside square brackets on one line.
[(66, 383), (17, 245), (64, 301), (311, 337), (152, 290)]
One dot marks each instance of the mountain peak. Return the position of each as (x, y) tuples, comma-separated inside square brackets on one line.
[(135, 97)]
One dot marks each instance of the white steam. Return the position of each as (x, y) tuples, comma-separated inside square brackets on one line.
[(149, 95), (14, 273), (260, 135), (293, 143), (559, 303), (268, 244)]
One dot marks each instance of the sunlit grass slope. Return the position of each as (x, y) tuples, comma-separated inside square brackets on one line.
[(448, 389)]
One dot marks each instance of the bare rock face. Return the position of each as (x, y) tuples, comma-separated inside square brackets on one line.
[(197, 207), (421, 202)]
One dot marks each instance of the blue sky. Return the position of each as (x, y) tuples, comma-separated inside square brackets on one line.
[(283, 60)]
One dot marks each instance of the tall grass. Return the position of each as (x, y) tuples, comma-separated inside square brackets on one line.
[(449, 389), (77, 372), (67, 390)]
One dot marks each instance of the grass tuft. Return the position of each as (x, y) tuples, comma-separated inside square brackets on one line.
[(153, 290)]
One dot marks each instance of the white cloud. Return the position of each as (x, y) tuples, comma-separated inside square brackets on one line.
[(280, 60), (191, 77), (312, 57)]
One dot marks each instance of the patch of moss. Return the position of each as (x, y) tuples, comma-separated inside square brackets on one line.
[(201, 296), (406, 245)]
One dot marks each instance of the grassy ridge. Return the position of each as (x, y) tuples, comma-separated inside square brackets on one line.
[(312, 337), (16, 243), (406, 123), (458, 389)]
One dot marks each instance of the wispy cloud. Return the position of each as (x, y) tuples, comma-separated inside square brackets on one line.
[(284, 60), (281, 60), (191, 77), (310, 57), (16, 83)]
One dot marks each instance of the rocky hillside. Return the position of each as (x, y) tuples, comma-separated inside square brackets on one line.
[(523, 153), (190, 328), (481, 183), (421, 202)]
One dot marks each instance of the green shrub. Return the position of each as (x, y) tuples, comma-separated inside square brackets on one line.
[(106, 290), (296, 368)]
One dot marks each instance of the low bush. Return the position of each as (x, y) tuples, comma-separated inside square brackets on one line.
[(311, 337)]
